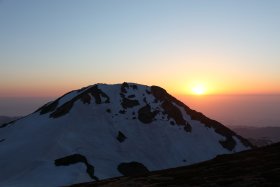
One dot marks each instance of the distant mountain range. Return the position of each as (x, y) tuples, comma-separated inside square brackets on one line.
[(104, 131), (259, 136), (257, 167)]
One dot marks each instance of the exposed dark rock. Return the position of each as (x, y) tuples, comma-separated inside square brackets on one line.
[(172, 123), (7, 124), (76, 158), (229, 143), (148, 92), (145, 115), (85, 98), (169, 108), (69, 160), (82, 89), (160, 93), (145, 100), (108, 110), (12, 121), (128, 103), (97, 94), (121, 137), (66, 107), (122, 95), (187, 127), (131, 96), (173, 112), (122, 111), (123, 87), (134, 87), (132, 169), (2, 140), (48, 107)]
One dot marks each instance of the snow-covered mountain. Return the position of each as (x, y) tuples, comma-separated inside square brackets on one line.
[(104, 131)]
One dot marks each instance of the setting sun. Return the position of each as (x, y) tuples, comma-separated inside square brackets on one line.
[(198, 89)]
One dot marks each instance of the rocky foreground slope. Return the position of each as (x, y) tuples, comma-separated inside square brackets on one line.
[(258, 167)]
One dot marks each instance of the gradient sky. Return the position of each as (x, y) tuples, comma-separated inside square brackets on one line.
[(50, 47)]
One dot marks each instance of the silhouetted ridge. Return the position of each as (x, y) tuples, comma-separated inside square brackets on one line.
[(84, 96)]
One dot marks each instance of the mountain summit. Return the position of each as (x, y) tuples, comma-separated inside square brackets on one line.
[(103, 131)]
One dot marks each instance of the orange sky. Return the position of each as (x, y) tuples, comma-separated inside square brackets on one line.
[(230, 47)]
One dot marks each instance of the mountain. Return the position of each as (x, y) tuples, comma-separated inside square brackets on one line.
[(257, 167), (104, 131)]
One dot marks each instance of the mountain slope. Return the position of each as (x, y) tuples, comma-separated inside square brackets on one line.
[(7, 119), (104, 131), (257, 167)]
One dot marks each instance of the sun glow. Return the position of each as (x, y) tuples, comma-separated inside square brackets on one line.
[(199, 89)]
